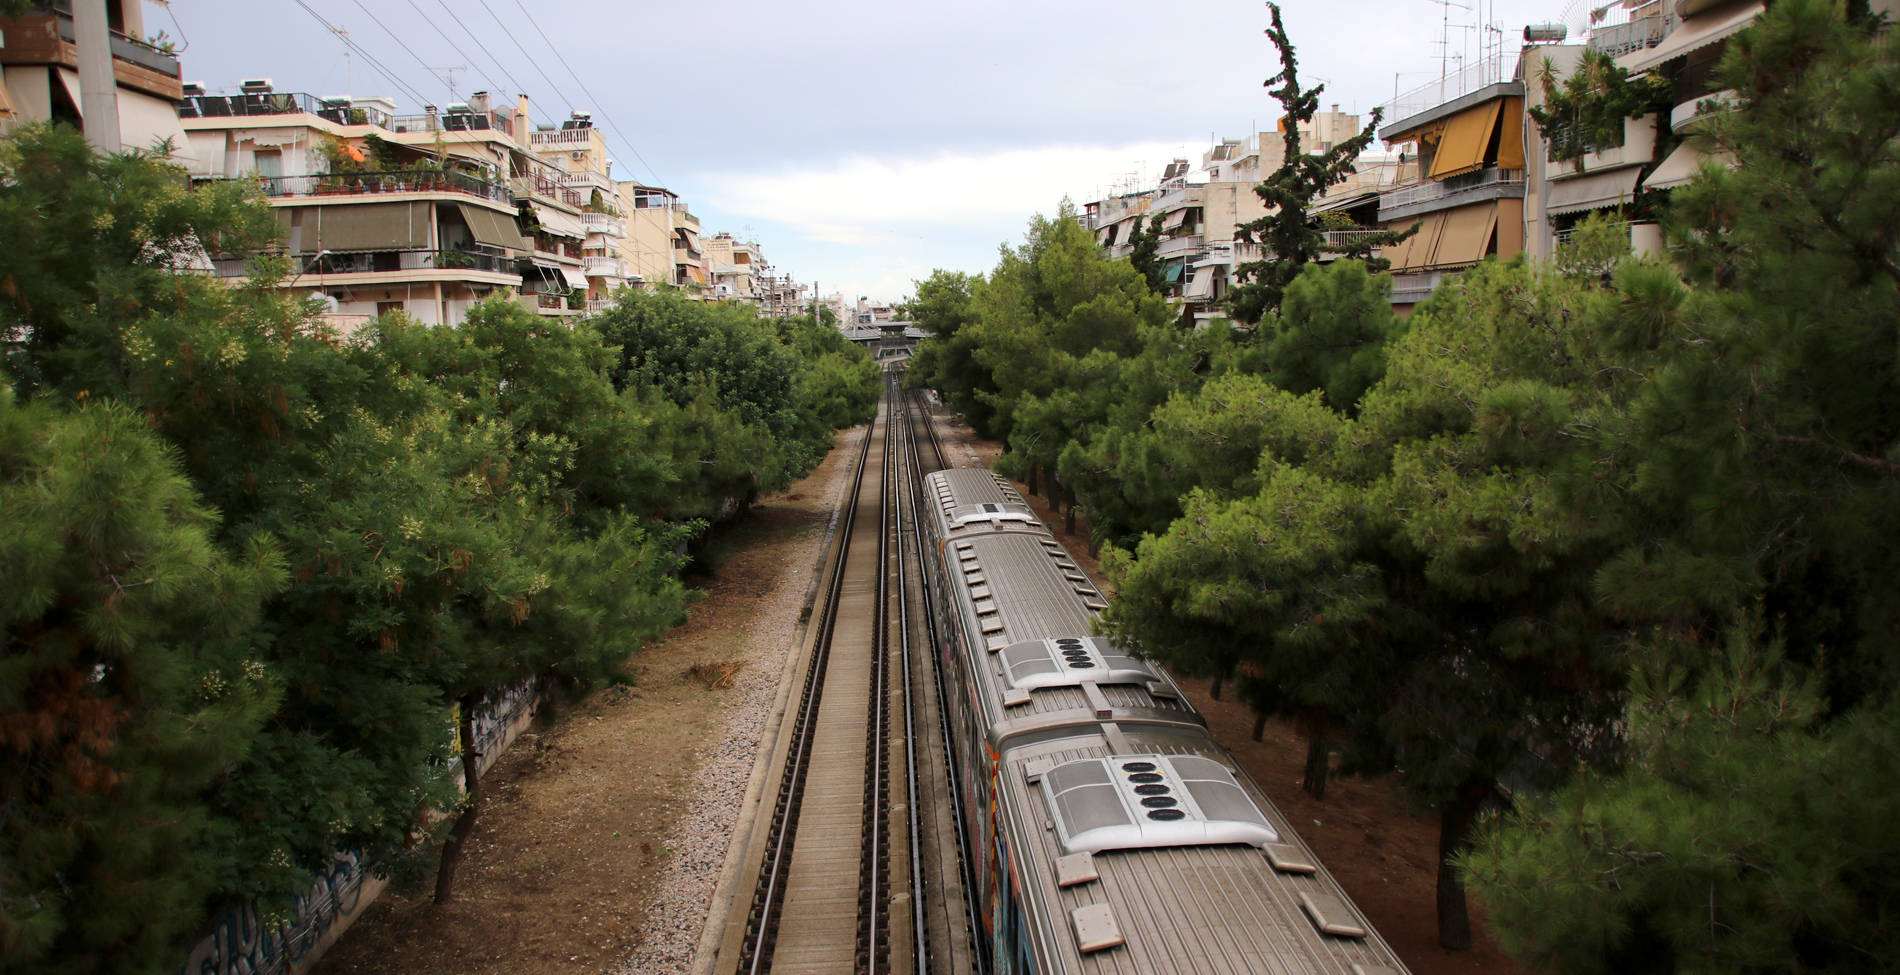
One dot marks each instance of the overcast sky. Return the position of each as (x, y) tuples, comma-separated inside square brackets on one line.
[(862, 143)]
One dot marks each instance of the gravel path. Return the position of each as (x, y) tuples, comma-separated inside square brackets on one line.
[(677, 915)]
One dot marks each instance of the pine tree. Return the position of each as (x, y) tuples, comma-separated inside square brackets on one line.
[(1288, 237)]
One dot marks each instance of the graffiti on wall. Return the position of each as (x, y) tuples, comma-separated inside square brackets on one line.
[(243, 942)]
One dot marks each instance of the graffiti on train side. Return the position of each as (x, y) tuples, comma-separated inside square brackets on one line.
[(244, 942)]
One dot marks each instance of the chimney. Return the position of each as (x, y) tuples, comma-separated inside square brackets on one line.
[(478, 102), (429, 115), (523, 129)]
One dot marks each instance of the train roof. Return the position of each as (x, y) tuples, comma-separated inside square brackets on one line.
[(1155, 853), (1028, 608), (972, 500)]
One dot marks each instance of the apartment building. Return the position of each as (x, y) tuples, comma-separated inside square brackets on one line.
[(423, 213), (1200, 209), (1463, 138), (39, 74), (735, 267), (578, 151), (662, 245)]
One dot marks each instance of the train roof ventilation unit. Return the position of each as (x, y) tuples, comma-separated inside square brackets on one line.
[(996, 514), (1133, 802), (1072, 661)]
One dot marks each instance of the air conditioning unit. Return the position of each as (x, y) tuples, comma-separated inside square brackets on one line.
[(577, 155), (255, 86)]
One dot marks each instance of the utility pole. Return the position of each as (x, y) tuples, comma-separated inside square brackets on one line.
[(98, 88)]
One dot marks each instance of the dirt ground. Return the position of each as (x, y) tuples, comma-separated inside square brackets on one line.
[(563, 861)]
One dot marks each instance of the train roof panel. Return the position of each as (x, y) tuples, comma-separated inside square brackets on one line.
[(1251, 905), (1148, 801)]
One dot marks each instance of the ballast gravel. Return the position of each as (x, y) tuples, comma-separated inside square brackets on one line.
[(696, 848)]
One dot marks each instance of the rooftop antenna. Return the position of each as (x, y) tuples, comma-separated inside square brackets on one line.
[(448, 74), (1444, 41)]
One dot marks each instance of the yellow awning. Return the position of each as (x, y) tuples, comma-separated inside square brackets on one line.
[(1511, 135), (1467, 135), (1417, 252), (1467, 236), (1510, 228)]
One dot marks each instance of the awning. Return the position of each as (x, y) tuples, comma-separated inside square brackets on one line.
[(550, 272), (493, 229), (560, 223), (1201, 285), (692, 239), (1467, 135), (1172, 272), (1176, 218), (1681, 167), (1695, 32), (1592, 191), (1467, 236), (370, 227), (286, 136), (1510, 228), (1431, 132), (144, 120), (1511, 135), (1418, 250), (575, 279), (69, 79)]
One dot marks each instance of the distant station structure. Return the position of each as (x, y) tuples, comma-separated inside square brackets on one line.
[(887, 341)]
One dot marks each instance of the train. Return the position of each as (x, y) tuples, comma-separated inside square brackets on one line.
[(1109, 832)]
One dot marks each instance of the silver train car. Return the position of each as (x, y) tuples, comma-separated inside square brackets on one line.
[(1111, 834)]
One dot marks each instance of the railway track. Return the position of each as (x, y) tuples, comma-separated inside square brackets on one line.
[(858, 866)]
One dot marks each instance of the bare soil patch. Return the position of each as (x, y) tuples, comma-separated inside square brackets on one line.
[(571, 847)]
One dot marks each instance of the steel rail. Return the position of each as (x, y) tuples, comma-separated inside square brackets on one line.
[(785, 817)]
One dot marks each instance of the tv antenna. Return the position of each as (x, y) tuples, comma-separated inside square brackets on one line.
[(448, 74), (343, 34)]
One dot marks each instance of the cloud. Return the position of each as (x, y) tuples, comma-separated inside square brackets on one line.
[(866, 201)]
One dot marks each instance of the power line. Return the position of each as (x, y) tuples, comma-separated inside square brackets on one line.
[(519, 88), (524, 53), (598, 104), (456, 47), (371, 58), (399, 43)]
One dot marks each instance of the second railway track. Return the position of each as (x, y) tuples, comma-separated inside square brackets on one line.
[(856, 870)]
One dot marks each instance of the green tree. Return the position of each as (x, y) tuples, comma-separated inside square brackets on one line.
[(1761, 442), (1288, 236), (128, 686), (1145, 256), (1331, 332)]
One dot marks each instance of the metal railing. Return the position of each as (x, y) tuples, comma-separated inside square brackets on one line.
[(452, 122), (397, 181), (1429, 190), (546, 187), (123, 46), (1342, 239), (1479, 74), (374, 262), (280, 103)]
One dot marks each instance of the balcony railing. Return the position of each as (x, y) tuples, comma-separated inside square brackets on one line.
[(588, 179), (604, 267), (1342, 239), (453, 122), (605, 223), (564, 138), (400, 181), (546, 188), (1489, 71), (124, 46), (1439, 189), (280, 103), (374, 262)]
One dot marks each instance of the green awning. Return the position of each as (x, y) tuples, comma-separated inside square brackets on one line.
[(1172, 273), (493, 229)]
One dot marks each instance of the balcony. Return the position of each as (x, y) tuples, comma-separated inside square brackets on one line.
[(1690, 115), (546, 188), (608, 224), (48, 37), (568, 139), (453, 122), (1183, 244), (401, 181), (587, 180), (604, 267), (375, 262), (1638, 146), (280, 103), (1424, 197), (1340, 240), (1440, 97)]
